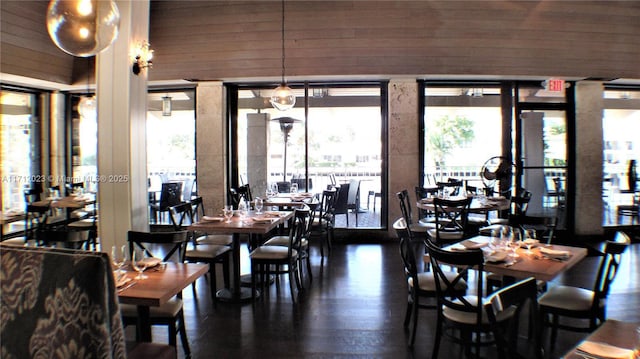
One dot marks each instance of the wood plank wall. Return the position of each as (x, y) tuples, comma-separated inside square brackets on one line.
[(219, 40)]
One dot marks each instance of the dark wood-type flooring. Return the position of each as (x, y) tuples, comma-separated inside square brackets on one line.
[(353, 308)]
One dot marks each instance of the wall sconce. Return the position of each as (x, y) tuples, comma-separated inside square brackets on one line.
[(142, 57), (166, 106)]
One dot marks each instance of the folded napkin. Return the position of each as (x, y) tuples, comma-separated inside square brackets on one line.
[(149, 262), (604, 350), (495, 256), (471, 244), (553, 253), (212, 219), (261, 219), (531, 241)]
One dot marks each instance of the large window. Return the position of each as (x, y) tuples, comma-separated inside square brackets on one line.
[(340, 137), (171, 130), (620, 126), (462, 130), (19, 144)]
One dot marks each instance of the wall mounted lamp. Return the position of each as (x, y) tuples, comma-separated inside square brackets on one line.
[(142, 56), (166, 106)]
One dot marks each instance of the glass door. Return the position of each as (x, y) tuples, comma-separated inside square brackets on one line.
[(541, 150)]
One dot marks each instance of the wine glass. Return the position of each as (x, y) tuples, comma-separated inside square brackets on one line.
[(515, 242), (138, 265), (242, 209), (118, 257), (294, 188), (530, 236), (227, 212), (258, 204)]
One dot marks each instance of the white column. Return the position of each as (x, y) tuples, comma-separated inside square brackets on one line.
[(589, 149), (122, 110)]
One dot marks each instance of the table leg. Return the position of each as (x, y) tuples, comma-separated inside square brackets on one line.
[(237, 293), (144, 323)]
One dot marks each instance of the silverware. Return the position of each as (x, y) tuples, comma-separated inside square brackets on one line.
[(127, 286)]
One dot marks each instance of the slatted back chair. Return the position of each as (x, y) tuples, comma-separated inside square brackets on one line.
[(457, 311), (324, 219), (181, 215), (173, 243), (581, 303), (451, 216)]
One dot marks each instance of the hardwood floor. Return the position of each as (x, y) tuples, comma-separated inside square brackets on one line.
[(354, 308)]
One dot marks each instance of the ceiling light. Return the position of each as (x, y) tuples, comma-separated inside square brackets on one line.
[(283, 97)]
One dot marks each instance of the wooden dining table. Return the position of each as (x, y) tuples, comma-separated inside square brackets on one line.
[(621, 335), (479, 204), (253, 223), (288, 200), (532, 264), (163, 282)]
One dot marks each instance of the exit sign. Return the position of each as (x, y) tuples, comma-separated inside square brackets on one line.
[(555, 85)]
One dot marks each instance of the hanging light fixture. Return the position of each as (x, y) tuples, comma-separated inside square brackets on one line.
[(83, 27), (283, 97), (166, 105), (87, 107)]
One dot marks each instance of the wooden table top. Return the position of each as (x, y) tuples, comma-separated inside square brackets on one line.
[(288, 199), (67, 201), (534, 265), (611, 332), (253, 223), (162, 283), (478, 204)]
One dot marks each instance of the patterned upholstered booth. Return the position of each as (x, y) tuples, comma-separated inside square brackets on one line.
[(57, 303)]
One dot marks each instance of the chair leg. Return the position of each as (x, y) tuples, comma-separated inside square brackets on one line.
[(309, 267), (414, 328), (436, 343), (183, 335), (225, 271)]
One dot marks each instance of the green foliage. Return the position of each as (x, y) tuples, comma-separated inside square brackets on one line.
[(444, 134)]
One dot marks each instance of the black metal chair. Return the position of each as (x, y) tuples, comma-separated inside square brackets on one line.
[(581, 303), (170, 195), (451, 218)]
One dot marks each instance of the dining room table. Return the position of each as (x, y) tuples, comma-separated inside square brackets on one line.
[(614, 339), (288, 200), (68, 203), (541, 261), (251, 223), (8, 217), (479, 204), (162, 282)]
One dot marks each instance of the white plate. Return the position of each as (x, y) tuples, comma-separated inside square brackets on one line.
[(471, 244), (534, 242)]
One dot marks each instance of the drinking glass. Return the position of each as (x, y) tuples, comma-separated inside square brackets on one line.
[(258, 203), (138, 265), (242, 209), (529, 234), (294, 188), (515, 242), (118, 257), (227, 212)]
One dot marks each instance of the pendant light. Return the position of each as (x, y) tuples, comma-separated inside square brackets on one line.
[(83, 27), (283, 97)]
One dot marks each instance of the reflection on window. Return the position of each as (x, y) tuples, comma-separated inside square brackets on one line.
[(17, 144)]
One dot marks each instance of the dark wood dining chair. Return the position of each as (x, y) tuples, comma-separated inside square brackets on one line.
[(170, 246), (323, 222), (420, 284), (466, 318), (451, 218), (199, 250), (581, 303), (277, 260)]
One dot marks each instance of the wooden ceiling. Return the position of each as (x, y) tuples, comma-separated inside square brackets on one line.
[(240, 40)]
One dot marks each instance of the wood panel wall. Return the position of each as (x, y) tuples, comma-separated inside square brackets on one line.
[(221, 40)]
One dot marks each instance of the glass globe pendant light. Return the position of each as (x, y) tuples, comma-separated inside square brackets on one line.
[(83, 27), (283, 97)]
